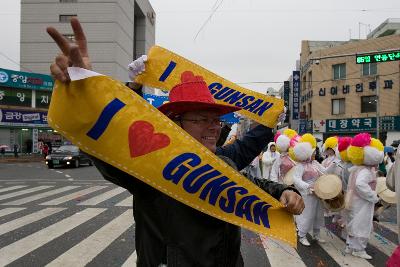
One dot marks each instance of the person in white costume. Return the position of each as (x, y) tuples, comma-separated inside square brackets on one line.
[(365, 153), (330, 150), (283, 163), (306, 173), (267, 160)]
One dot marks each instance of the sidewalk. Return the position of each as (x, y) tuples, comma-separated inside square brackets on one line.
[(21, 158)]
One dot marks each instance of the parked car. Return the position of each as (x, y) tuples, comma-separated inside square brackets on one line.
[(67, 155)]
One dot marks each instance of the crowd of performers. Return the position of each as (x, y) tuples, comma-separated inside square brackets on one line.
[(342, 186)]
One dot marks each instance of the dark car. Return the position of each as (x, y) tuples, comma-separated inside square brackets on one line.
[(67, 155)]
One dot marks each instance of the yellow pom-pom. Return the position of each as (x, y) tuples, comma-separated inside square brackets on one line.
[(376, 144), (290, 133), (291, 154), (331, 142), (356, 155), (344, 156), (310, 139)]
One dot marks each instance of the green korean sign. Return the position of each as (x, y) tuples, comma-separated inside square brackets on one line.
[(25, 80), (43, 99), (378, 57), (15, 97), (357, 125)]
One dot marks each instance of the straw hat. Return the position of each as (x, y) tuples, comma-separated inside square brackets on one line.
[(328, 186), (383, 192)]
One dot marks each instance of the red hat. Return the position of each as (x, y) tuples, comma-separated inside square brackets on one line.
[(192, 95)]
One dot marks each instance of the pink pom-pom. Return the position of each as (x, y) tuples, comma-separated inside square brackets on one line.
[(294, 140), (278, 133), (361, 140), (344, 143)]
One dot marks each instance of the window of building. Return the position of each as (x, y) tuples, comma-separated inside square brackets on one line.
[(339, 71), (338, 106), (369, 69), (66, 18), (70, 37), (309, 80), (309, 115), (368, 103), (68, 1)]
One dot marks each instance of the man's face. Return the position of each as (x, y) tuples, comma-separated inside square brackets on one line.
[(272, 148), (204, 126)]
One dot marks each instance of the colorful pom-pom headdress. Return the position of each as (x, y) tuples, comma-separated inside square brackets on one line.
[(365, 150), (331, 143), (283, 139), (303, 150), (343, 144)]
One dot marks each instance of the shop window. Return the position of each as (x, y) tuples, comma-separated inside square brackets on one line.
[(339, 71), (338, 106), (368, 103), (66, 18), (369, 69)]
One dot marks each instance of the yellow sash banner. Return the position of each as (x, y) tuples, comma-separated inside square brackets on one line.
[(164, 69), (110, 122)]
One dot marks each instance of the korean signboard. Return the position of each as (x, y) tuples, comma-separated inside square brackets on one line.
[(43, 99), (356, 125), (378, 57), (25, 80), (15, 97), (23, 118), (296, 95)]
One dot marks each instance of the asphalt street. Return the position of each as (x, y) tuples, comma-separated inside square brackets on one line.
[(73, 217)]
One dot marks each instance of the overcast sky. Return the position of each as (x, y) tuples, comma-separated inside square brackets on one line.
[(245, 40)]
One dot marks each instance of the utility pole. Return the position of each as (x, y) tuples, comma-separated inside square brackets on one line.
[(377, 106)]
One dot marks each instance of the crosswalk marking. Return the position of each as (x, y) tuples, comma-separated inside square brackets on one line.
[(4, 212), (12, 188), (131, 261), (127, 202), (103, 197), (25, 191), (392, 226), (85, 251), (381, 243), (74, 195), (30, 218), (334, 246), (41, 195), (25, 245), (280, 254)]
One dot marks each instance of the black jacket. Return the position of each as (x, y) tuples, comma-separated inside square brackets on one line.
[(172, 233)]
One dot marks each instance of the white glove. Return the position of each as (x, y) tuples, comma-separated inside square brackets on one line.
[(136, 67), (282, 116)]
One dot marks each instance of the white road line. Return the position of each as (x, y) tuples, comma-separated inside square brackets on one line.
[(103, 197), (280, 254), (25, 245), (23, 192), (72, 196), (12, 188), (381, 243), (90, 247), (391, 226), (131, 261), (59, 171), (41, 195), (67, 175), (127, 202), (6, 211), (30, 218), (334, 246)]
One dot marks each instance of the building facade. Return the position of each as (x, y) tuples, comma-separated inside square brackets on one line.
[(24, 101), (117, 31), (340, 97)]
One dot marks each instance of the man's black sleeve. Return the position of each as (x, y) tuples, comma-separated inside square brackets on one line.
[(273, 188), (243, 151)]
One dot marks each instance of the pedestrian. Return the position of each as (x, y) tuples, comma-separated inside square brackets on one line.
[(365, 153), (267, 160), (45, 150), (15, 147), (167, 232), (283, 164)]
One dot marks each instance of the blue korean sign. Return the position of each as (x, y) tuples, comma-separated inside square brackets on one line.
[(296, 95), (302, 127), (25, 80), (23, 118), (157, 101)]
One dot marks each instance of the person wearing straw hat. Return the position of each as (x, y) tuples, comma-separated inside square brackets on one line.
[(167, 232), (306, 172), (283, 164), (365, 153)]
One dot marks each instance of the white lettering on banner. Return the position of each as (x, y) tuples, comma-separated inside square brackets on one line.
[(343, 124), (151, 100), (15, 78), (21, 97), (368, 122), (31, 117), (2, 94), (45, 99), (44, 118), (332, 124), (355, 122), (13, 115)]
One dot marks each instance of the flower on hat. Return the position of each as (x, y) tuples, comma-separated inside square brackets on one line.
[(343, 144), (304, 149), (283, 140), (365, 150)]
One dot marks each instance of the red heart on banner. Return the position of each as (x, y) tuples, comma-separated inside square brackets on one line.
[(143, 140)]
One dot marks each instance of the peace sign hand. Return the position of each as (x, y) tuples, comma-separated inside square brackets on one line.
[(73, 54)]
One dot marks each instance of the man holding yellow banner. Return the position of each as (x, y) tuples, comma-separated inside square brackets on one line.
[(168, 232)]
